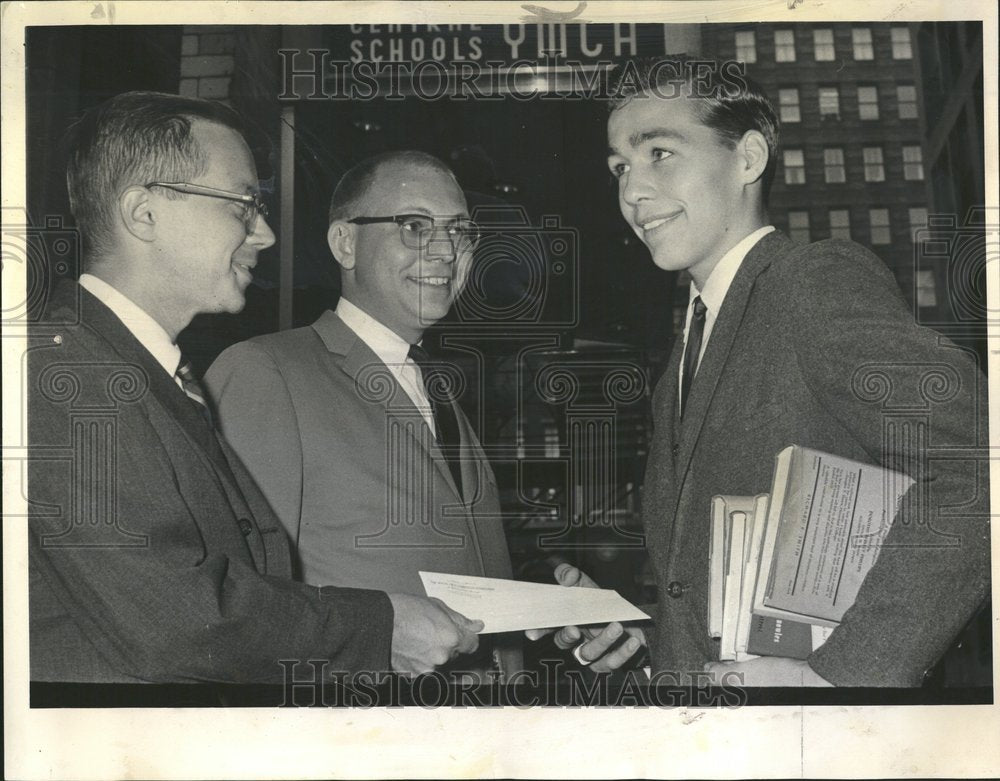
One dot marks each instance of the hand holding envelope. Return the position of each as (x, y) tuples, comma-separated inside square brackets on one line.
[(508, 605), (512, 605), (591, 646)]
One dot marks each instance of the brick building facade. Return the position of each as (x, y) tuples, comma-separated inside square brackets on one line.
[(851, 163)]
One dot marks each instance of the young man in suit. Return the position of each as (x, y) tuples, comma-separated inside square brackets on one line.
[(153, 555), (365, 455), (784, 344)]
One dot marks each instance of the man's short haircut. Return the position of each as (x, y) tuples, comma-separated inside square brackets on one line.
[(356, 182), (133, 139), (728, 101)]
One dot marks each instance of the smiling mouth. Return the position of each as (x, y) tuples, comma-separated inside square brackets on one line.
[(652, 225), (432, 281), (245, 268)]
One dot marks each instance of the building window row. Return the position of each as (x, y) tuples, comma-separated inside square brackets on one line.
[(789, 103), (879, 225), (824, 47), (835, 169)]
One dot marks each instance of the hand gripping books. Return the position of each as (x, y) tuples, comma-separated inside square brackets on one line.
[(792, 563)]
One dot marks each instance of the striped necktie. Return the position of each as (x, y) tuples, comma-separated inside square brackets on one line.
[(192, 388)]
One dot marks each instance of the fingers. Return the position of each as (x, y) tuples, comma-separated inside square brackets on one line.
[(598, 645), (596, 651), (467, 629), (567, 637), (618, 657), (568, 575)]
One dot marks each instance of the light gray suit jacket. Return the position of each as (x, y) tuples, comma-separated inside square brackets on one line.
[(350, 466)]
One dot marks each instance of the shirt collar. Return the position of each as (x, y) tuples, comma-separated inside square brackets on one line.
[(150, 333), (384, 342), (721, 278)]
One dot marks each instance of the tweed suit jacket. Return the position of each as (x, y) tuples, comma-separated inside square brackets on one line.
[(153, 556), (351, 467), (814, 346)]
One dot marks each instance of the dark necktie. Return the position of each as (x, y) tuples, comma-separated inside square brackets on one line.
[(437, 387), (696, 330), (192, 388)]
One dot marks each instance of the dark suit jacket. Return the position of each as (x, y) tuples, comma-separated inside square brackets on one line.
[(351, 468), (153, 556), (814, 346)]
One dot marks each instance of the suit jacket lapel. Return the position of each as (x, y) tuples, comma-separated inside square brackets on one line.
[(720, 343), (103, 321), (367, 370)]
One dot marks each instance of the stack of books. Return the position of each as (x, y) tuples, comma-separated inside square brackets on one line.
[(784, 567)]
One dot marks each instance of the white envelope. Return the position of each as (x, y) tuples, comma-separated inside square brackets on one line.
[(511, 605)]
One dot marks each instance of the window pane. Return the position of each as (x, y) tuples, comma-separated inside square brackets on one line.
[(746, 46), (798, 226), (901, 48), (868, 102), (840, 224), (906, 98), (918, 220), (823, 45), (833, 166), (788, 105), (873, 154), (795, 166), (861, 39), (784, 46), (829, 102), (926, 290), (879, 219), (874, 169), (913, 164)]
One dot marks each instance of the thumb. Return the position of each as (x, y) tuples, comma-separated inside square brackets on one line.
[(467, 624), (567, 575)]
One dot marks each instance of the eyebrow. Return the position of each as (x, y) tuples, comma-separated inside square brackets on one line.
[(428, 213), (642, 136)]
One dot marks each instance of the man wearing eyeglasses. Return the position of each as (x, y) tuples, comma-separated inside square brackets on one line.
[(154, 556), (355, 436)]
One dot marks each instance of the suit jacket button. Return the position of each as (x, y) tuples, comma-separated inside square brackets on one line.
[(246, 527), (676, 449), (675, 589)]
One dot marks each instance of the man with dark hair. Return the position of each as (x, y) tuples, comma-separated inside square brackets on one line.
[(356, 439), (153, 555), (781, 344)]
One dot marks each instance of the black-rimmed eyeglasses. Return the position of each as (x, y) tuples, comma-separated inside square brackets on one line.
[(252, 203), (417, 230)]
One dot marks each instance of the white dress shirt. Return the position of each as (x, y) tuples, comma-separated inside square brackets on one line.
[(716, 287), (150, 333), (393, 351)]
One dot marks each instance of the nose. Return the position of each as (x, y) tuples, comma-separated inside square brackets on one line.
[(261, 236), (441, 246), (634, 186)]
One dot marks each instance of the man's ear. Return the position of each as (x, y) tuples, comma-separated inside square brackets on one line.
[(754, 155), (135, 210), (340, 238)]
